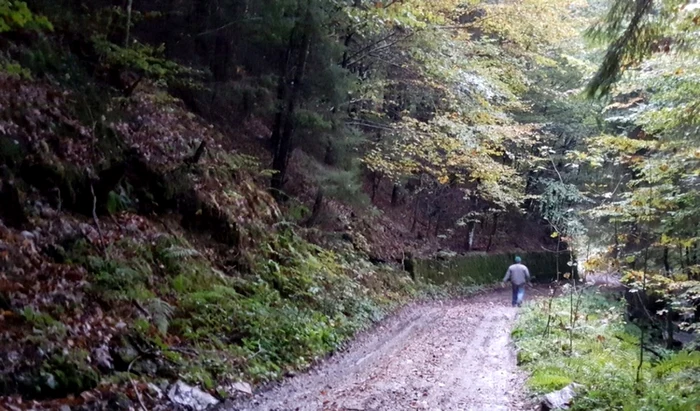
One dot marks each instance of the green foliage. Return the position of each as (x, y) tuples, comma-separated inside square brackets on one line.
[(15, 70), (604, 360), (548, 380), (146, 60), (119, 280), (16, 15), (631, 30), (298, 303)]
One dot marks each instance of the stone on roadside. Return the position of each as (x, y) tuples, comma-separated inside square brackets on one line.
[(242, 387), (190, 398), (560, 400)]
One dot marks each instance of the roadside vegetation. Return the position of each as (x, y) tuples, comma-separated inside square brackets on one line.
[(603, 356)]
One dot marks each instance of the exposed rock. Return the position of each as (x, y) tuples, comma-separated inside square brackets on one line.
[(560, 400), (102, 357), (242, 387), (123, 354), (155, 390), (191, 398)]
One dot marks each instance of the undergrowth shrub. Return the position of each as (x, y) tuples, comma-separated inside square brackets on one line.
[(604, 358), (294, 304)]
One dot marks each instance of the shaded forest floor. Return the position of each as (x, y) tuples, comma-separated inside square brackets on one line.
[(454, 355)]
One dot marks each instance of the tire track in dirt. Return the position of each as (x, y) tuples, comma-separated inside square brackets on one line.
[(451, 356)]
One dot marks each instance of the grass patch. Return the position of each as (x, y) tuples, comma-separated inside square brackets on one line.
[(604, 358)]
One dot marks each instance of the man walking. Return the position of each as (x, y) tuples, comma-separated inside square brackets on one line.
[(518, 275)]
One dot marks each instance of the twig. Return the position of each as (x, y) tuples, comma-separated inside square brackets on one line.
[(97, 223), (227, 25), (260, 350), (142, 308), (549, 313), (133, 384)]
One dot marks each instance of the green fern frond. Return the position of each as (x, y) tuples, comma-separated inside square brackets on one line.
[(681, 362), (161, 313), (177, 252)]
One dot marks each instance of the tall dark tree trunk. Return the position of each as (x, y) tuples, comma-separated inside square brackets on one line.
[(395, 195), (415, 215), (282, 91), (376, 181), (348, 39), (669, 326), (317, 208), (280, 159), (667, 265), (329, 156), (494, 229), (222, 56), (127, 36)]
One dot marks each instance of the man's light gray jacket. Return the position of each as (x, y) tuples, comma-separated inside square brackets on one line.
[(518, 274)]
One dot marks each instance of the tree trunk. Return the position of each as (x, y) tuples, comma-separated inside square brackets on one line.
[(470, 239), (329, 157), (376, 181), (415, 214), (222, 55), (557, 256), (317, 208), (494, 229), (616, 251), (282, 86), (680, 255), (395, 195), (667, 266), (669, 326), (348, 39), (284, 149), (129, 5)]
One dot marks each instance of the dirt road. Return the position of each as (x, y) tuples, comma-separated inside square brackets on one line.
[(450, 356)]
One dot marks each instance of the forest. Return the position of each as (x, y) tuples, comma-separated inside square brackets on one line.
[(221, 193)]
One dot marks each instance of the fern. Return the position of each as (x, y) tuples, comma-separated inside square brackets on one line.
[(161, 313), (177, 252), (546, 382), (681, 362)]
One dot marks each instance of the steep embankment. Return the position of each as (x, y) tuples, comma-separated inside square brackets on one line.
[(140, 249)]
